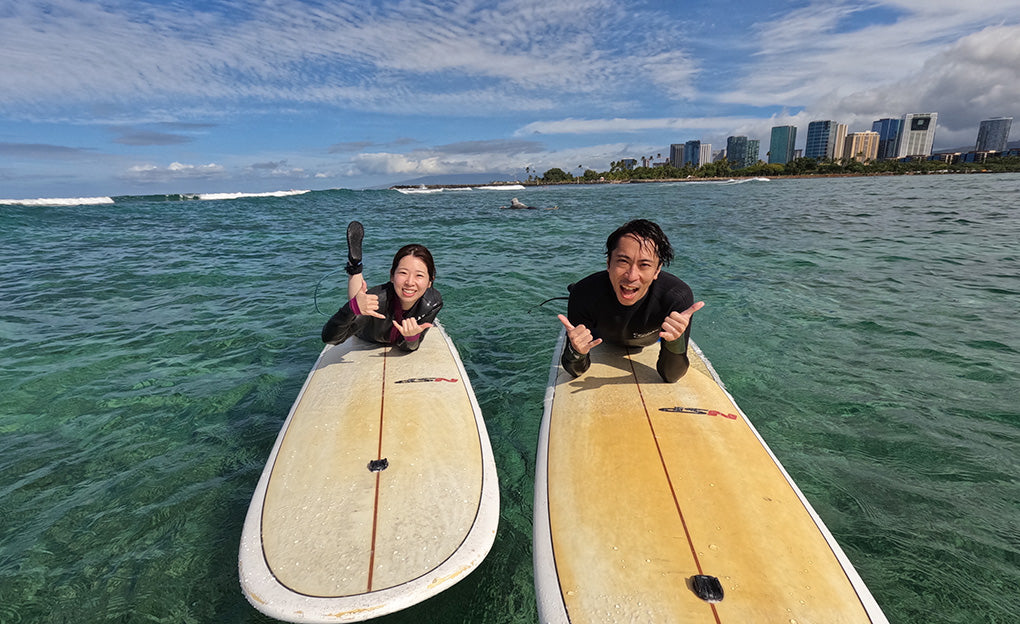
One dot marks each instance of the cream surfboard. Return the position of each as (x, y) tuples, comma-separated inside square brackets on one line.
[(655, 500), (380, 490)]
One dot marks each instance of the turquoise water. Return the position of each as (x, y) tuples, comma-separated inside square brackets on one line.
[(150, 350)]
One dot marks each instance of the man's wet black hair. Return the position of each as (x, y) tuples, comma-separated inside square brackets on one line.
[(646, 230)]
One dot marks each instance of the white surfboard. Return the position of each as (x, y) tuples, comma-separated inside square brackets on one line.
[(380, 491), (647, 491)]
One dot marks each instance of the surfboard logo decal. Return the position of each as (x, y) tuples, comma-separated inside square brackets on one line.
[(698, 410), (426, 379)]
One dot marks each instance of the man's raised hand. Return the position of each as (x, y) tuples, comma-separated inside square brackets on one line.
[(580, 338), (676, 323)]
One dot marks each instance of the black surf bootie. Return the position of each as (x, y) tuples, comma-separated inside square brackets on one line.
[(355, 233)]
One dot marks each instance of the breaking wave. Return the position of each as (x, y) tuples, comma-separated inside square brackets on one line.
[(58, 201), (173, 197)]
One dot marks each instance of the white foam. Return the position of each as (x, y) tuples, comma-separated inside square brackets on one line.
[(240, 195), (501, 187), (420, 190), (59, 201), (730, 181)]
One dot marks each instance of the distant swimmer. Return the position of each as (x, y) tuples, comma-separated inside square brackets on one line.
[(519, 205)]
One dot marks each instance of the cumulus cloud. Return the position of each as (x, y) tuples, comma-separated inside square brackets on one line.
[(153, 174), (449, 161), (925, 57), (460, 157), (278, 169)]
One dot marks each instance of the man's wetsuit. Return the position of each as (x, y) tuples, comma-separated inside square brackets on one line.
[(346, 322), (593, 304)]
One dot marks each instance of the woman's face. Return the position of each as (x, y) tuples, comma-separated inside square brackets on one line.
[(410, 280)]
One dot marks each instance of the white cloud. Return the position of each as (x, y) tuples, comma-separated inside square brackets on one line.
[(805, 59), (462, 75), (410, 57), (427, 162), (153, 174), (280, 169), (630, 125)]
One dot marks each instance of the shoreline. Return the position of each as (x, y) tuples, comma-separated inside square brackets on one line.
[(799, 176)]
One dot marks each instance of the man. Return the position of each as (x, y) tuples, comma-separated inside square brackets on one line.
[(631, 303)]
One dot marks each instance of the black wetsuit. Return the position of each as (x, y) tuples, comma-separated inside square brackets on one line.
[(346, 322), (593, 303)]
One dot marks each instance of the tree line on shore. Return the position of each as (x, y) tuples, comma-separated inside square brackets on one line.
[(619, 172)]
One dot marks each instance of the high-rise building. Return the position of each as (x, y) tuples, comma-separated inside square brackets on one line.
[(781, 146), (917, 135), (821, 140), (753, 149), (861, 146), (742, 151), (706, 154), (736, 151), (888, 136), (692, 154), (993, 135), (676, 155), (837, 148)]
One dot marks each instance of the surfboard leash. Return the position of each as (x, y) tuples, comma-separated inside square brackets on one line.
[(545, 302), (315, 295)]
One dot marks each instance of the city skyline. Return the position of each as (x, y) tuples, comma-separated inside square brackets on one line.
[(828, 141), (116, 97)]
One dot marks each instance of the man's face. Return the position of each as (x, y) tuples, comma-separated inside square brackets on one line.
[(633, 266)]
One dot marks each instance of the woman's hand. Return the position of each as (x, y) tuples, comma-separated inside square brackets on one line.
[(409, 327), (368, 305)]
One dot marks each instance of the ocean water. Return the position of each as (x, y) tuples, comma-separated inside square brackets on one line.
[(150, 348)]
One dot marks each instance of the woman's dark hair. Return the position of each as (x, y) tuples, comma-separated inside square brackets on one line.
[(647, 231), (418, 251)]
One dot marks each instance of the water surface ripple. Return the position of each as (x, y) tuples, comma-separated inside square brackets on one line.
[(150, 350)]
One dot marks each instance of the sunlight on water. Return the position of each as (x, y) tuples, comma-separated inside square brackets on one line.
[(151, 348)]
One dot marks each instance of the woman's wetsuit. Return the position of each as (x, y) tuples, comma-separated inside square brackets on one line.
[(593, 303), (346, 322)]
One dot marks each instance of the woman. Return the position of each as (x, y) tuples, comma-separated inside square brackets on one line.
[(397, 313)]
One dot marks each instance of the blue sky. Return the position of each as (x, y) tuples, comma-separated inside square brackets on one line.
[(117, 97)]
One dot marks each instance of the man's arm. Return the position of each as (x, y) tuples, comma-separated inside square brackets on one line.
[(676, 333), (573, 362), (579, 342)]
